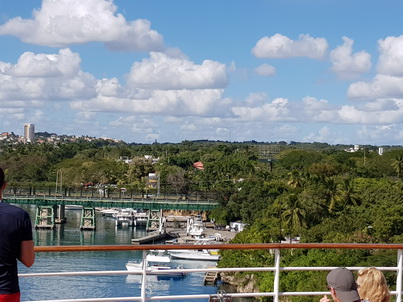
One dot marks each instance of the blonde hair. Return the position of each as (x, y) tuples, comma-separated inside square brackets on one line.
[(372, 285)]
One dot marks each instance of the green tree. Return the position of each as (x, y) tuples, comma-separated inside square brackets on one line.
[(293, 215), (397, 164)]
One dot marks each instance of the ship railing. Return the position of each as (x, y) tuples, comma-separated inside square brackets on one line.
[(276, 268)]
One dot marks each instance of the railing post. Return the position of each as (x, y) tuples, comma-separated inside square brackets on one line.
[(276, 274), (399, 275), (144, 277)]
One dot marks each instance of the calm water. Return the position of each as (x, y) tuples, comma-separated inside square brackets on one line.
[(79, 287)]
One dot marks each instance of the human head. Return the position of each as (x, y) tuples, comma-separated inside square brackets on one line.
[(372, 285), (342, 285)]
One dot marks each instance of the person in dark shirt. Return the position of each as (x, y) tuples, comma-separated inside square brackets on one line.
[(15, 244)]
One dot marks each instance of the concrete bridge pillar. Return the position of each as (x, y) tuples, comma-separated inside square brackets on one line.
[(154, 220), (88, 219), (60, 214), (45, 217)]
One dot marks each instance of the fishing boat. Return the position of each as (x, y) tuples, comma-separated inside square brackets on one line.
[(195, 226), (156, 264)]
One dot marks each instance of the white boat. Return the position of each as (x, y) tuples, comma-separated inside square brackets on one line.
[(195, 226), (125, 216), (195, 255), (109, 212), (156, 265), (141, 218)]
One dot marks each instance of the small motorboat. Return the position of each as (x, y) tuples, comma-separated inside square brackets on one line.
[(156, 265), (195, 255)]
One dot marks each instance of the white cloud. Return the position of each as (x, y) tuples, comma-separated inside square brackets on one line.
[(256, 98), (277, 110), (354, 115), (64, 22), (164, 102), (323, 135), (45, 77), (321, 111), (66, 63), (381, 134), (167, 71), (279, 46), (382, 86), (383, 104), (348, 65), (265, 70), (391, 56), (86, 116), (137, 124), (388, 83)]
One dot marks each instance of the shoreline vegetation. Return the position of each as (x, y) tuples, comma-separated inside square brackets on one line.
[(317, 192)]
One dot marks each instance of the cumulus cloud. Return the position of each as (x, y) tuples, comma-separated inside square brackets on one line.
[(348, 65), (176, 71), (388, 83), (382, 86), (311, 110), (351, 114), (391, 56), (65, 63), (281, 109), (277, 110), (265, 70), (279, 46), (172, 102), (64, 22), (45, 77)]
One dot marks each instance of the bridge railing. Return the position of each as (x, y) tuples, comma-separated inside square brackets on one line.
[(106, 202), (276, 268), (110, 192)]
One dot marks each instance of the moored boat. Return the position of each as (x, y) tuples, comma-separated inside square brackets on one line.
[(195, 255), (155, 265)]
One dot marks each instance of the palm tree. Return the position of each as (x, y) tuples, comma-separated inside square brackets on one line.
[(333, 197), (294, 215), (397, 164), (347, 193), (296, 179)]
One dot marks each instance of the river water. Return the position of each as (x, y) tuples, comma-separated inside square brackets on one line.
[(102, 286)]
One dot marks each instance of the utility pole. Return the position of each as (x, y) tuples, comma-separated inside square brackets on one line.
[(59, 179)]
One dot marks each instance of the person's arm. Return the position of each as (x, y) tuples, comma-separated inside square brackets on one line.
[(27, 256)]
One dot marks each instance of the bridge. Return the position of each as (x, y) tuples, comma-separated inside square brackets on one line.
[(51, 208), (111, 202)]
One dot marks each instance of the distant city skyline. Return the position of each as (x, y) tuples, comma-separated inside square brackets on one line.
[(141, 71)]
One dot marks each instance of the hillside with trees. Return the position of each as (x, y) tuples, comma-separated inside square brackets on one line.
[(318, 192)]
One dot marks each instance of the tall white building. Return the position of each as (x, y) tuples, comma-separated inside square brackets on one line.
[(29, 133)]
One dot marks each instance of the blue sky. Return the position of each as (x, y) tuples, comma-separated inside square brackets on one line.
[(140, 71)]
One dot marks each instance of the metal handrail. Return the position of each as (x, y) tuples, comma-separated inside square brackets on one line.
[(277, 247)]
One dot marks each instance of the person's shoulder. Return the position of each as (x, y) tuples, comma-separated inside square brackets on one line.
[(10, 209)]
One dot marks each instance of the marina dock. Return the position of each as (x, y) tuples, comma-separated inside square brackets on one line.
[(151, 238)]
